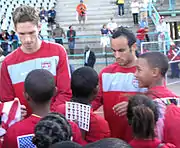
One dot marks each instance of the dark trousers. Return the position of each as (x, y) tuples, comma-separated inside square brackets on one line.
[(135, 18), (175, 71), (59, 41), (51, 20), (71, 46), (121, 8), (4, 46)]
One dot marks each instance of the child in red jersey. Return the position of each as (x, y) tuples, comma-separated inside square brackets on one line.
[(39, 88), (84, 85), (142, 115), (52, 129), (151, 71)]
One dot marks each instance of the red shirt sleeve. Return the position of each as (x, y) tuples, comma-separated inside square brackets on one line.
[(98, 101), (99, 129), (6, 88), (77, 136), (62, 81), (9, 139), (61, 109)]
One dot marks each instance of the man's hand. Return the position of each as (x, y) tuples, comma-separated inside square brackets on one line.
[(23, 111), (121, 108)]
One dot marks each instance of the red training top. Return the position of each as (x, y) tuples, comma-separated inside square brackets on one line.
[(26, 127), (171, 125), (18, 64), (22, 128), (156, 143), (163, 97), (141, 34)]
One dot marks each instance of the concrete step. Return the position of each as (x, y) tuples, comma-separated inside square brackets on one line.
[(95, 27), (89, 8), (73, 13), (89, 17), (68, 2), (94, 22), (96, 17)]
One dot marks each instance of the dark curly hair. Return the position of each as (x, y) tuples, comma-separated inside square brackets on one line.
[(51, 129), (142, 114)]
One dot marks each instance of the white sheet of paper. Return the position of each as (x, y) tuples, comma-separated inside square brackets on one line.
[(80, 113)]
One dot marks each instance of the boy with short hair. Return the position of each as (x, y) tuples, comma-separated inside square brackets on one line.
[(39, 88), (151, 70), (84, 85)]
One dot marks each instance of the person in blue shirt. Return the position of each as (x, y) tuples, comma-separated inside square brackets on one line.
[(43, 14), (143, 23), (14, 40), (51, 16)]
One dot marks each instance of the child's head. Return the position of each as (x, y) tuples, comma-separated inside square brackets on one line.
[(84, 84), (39, 87), (142, 114), (108, 143), (66, 144), (52, 129), (151, 68)]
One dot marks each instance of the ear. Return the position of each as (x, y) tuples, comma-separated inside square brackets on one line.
[(134, 47), (26, 96), (55, 91), (39, 27), (155, 72), (95, 91)]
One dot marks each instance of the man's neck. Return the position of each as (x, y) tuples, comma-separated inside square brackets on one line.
[(130, 64), (81, 100), (27, 51)]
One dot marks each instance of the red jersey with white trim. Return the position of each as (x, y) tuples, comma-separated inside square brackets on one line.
[(171, 125), (26, 127), (163, 97), (155, 143), (18, 64), (98, 128), (115, 83), (22, 128), (166, 126)]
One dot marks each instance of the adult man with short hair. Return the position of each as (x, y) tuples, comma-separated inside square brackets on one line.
[(33, 54), (116, 81), (58, 34)]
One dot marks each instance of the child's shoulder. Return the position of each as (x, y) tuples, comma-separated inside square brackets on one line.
[(99, 121)]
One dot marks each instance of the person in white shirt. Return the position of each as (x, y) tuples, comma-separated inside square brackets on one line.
[(135, 6), (4, 23), (162, 30), (112, 25)]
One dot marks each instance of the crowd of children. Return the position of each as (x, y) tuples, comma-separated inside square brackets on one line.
[(139, 110)]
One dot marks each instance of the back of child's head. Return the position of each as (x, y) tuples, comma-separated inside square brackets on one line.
[(142, 114), (156, 60), (66, 144), (83, 82), (108, 143), (40, 85), (51, 129)]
